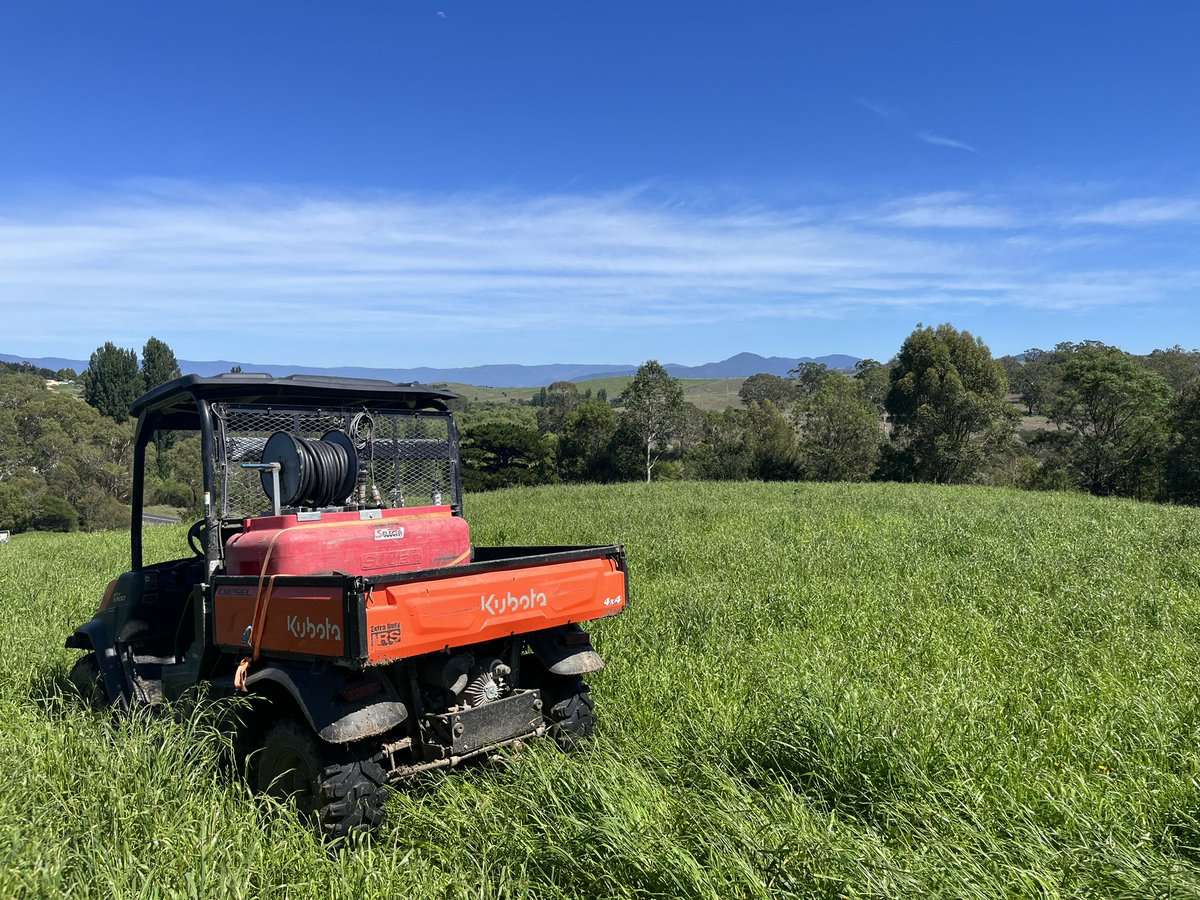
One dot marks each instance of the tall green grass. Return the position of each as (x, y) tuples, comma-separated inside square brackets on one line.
[(817, 691)]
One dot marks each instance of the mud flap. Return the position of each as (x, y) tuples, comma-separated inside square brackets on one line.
[(566, 650), (341, 706), (95, 635)]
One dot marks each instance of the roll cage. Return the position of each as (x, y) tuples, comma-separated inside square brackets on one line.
[(208, 405)]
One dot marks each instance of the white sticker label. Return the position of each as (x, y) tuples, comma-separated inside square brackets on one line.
[(389, 534)]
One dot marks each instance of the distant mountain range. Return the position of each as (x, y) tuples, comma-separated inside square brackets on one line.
[(739, 366)]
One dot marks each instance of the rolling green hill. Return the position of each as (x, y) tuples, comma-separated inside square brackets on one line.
[(817, 691), (706, 393)]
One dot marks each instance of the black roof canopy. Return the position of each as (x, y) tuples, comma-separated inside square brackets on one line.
[(178, 398)]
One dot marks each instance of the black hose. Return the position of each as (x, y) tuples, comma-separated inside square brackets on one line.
[(329, 472), (313, 473), (323, 470)]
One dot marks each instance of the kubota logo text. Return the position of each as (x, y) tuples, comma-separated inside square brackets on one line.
[(496, 606), (321, 631)]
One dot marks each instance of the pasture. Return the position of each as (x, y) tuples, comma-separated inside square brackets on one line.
[(817, 691)]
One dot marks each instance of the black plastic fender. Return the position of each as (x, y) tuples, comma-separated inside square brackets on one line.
[(566, 650), (340, 705), (95, 635)]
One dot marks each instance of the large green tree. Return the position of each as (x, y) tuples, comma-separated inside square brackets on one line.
[(498, 454), (875, 380), (725, 451), (1036, 377), (158, 367), (1183, 460), (739, 444), (654, 410), (840, 432), (561, 398), (583, 450), (1178, 367), (772, 442), (1117, 414), (113, 381), (808, 376), (158, 363), (946, 405), (757, 388), (16, 509)]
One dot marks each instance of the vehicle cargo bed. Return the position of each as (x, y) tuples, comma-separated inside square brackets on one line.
[(377, 619)]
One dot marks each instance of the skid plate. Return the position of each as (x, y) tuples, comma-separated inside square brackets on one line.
[(501, 720)]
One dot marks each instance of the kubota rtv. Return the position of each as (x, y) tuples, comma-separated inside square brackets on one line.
[(333, 580)]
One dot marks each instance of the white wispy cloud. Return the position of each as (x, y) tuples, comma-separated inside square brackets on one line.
[(395, 275), (1142, 211), (947, 209), (939, 140), (883, 110), (899, 118)]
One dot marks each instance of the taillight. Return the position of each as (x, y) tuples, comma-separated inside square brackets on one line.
[(353, 694), (574, 638), (108, 592)]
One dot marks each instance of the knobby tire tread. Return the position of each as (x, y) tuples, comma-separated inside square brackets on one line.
[(349, 782)]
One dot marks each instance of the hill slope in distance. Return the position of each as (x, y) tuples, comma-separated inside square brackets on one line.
[(740, 366)]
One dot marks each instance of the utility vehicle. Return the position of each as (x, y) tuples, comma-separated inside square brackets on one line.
[(333, 580)]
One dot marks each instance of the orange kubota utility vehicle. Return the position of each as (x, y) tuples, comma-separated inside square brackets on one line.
[(334, 581)]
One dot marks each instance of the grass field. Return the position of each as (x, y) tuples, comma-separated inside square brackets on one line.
[(817, 691), (73, 389)]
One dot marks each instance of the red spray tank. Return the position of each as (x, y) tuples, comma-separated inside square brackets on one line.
[(364, 542)]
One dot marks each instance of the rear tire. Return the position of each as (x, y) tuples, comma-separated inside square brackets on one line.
[(86, 678), (339, 789), (573, 717), (567, 704)]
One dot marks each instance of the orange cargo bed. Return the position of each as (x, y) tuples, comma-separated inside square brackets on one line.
[(378, 619)]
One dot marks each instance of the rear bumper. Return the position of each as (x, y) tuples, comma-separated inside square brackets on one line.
[(470, 734), (499, 722)]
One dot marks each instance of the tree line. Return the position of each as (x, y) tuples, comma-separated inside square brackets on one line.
[(28, 368), (942, 410), (1080, 416)]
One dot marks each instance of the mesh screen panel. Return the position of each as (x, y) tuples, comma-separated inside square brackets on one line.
[(405, 457)]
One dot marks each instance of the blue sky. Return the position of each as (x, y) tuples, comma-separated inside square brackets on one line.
[(462, 182)]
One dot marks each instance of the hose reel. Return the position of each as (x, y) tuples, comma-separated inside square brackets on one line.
[(312, 473)]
